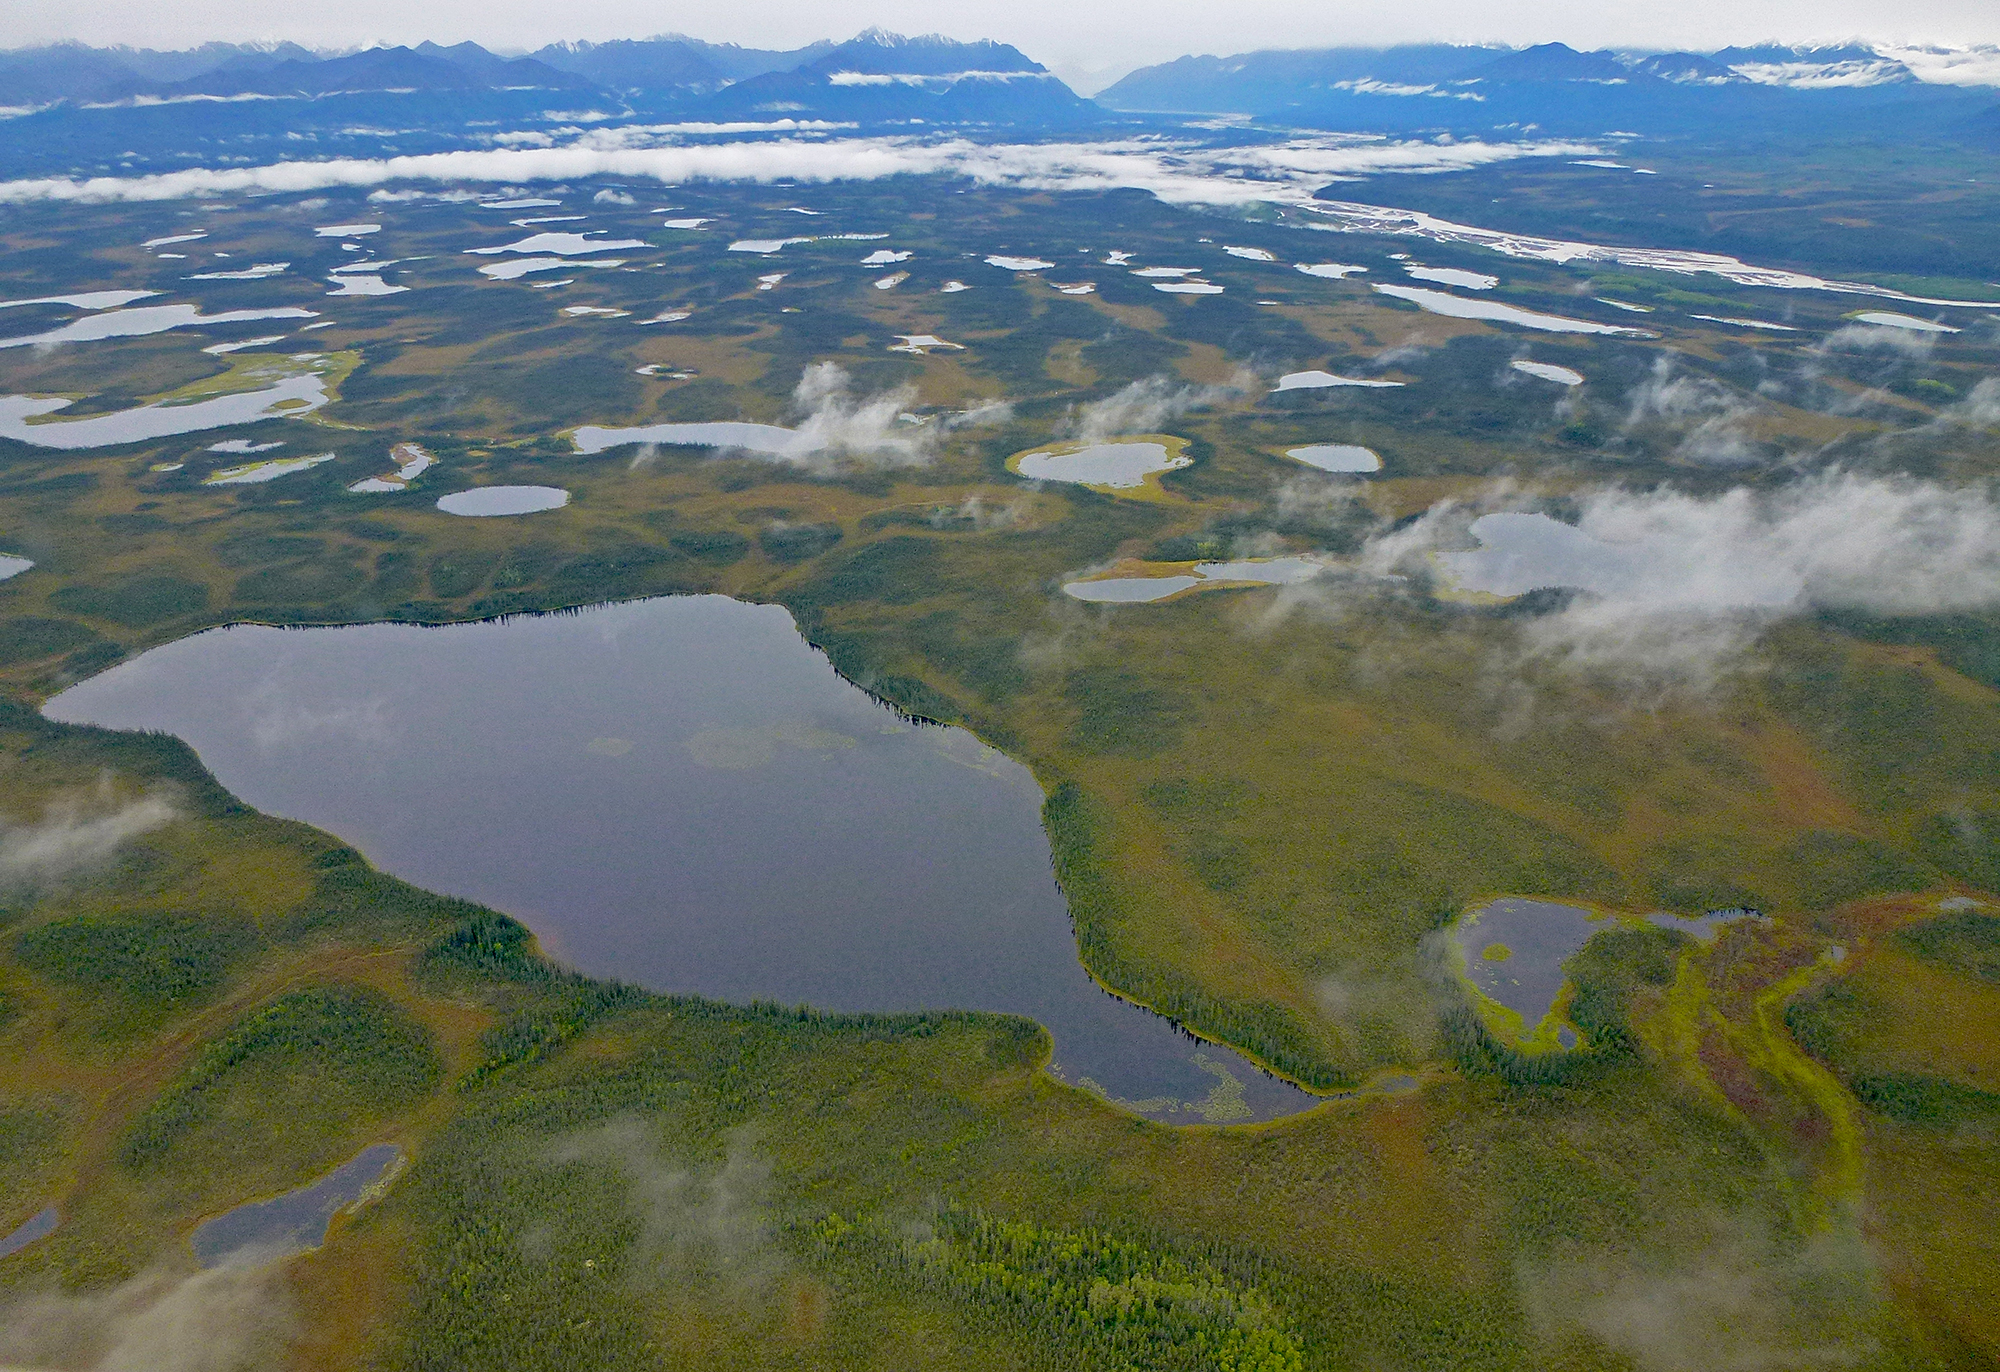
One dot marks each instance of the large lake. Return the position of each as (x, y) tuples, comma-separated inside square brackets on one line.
[(679, 792)]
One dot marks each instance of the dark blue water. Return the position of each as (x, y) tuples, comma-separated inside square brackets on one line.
[(679, 792), (295, 1221), (38, 1226)]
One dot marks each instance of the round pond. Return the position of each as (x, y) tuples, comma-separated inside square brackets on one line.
[(486, 501), (1116, 464)]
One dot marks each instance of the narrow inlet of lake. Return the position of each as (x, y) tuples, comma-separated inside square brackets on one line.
[(678, 792)]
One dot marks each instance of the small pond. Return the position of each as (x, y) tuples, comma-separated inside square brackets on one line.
[(1128, 590), (1337, 457), (1454, 276), (483, 502), (1138, 590), (1458, 307), (1889, 319), (769, 439), (1548, 371), (38, 1226), (1318, 380), (297, 1220), (146, 319), (1521, 551), (1514, 950), (1117, 464), (682, 793)]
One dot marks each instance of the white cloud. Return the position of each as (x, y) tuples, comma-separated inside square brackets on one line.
[(231, 1316), (1675, 588), (1146, 404), (1975, 66), (1980, 409), (1710, 420), (77, 832), (1175, 172), (1875, 337), (838, 424)]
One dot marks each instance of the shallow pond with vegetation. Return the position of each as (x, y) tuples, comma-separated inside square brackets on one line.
[(299, 1219)]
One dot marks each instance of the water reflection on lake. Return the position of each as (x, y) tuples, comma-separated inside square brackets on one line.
[(677, 792)]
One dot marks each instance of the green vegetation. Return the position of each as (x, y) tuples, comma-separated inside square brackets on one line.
[(1915, 1098), (135, 602), (1075, 824), (145, 965), (1963, 941), (313, 1060), (1263, 806), (1086, 1299)]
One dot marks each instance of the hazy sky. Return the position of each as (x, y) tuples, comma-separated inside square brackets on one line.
[(1080, 41)]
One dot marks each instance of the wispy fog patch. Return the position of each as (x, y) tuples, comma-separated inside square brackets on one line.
[(981, 413), (1312, 499), (1398, 355), (1392, 1012), (715, 1225), (1861, 338), (1979, 410), (1150, 402), (838, 426), (1738, 1302), (837, 423), (222, 1319), (611, 197), (981, 513), (76, 833), (835, 429), (1708, 421), (1674, 589)]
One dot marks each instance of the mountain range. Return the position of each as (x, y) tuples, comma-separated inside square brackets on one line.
[(1768, 89), (875, 77), (1555, 89), (69, 109)]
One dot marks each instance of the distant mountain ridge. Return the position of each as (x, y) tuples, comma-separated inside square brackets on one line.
[(881, 77), (876, 76), (1554, 88), (672, 62), (76, 109)]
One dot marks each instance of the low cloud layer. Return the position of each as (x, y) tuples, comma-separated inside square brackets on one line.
[(838, 427), (1148, 403), (1863, 338), (225, 1319), (716, 1225), (1979, 410), (836, 423), (1674, 588), (1739, 1302), (1176, 173), (76, 833), (1708, 423)]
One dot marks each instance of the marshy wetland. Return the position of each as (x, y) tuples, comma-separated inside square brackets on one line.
[(702, 814)]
